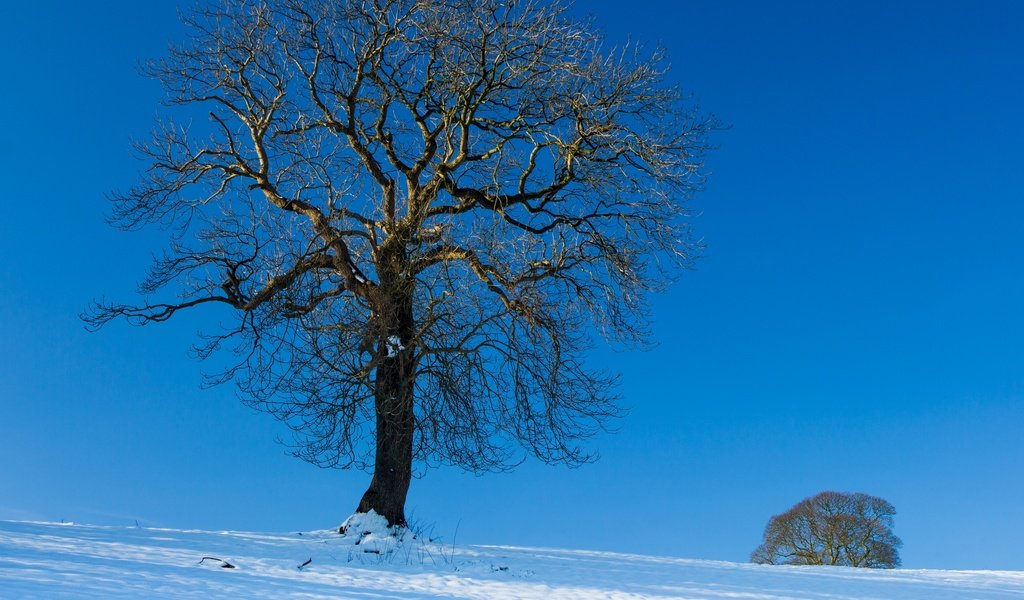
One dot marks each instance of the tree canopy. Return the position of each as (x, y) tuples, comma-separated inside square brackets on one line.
[(832, 528), (418, 215)]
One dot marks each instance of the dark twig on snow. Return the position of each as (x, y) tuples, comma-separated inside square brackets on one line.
[(223, 563)]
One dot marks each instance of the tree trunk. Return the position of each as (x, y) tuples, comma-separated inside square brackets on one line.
[(393, 402)]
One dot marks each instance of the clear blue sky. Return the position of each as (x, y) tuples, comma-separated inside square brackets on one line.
[(856, 324)]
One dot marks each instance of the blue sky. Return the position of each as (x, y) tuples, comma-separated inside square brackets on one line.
[(856, 323)]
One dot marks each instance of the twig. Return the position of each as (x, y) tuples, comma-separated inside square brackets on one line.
[(223, 563)]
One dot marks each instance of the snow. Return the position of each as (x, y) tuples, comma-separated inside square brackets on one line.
[(47, 560), (394, 346), (371, 533)]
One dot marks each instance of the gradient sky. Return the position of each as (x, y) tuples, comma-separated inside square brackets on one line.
[(855, 325)]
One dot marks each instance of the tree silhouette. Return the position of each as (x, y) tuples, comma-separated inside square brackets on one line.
[(418, 214), (832, 528)]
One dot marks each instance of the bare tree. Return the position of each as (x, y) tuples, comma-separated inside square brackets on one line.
[(832, 528), (418, 214)]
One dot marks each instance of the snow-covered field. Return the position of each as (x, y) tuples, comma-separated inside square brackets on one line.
[(48, 560)]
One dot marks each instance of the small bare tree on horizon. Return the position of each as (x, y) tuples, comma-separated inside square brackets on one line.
[(418, 214), (832, 528)]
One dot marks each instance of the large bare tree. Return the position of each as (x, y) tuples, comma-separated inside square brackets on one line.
[(419, 214)]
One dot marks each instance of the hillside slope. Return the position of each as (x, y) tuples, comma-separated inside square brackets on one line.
[(45, 560)]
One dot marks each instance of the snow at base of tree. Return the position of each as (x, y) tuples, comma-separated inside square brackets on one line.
[(48, 560), (372, 534)]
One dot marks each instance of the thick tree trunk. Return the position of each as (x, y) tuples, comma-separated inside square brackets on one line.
[(393, 401), (392, 470)]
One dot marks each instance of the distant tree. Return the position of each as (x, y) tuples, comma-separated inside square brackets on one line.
[(415, 215), (832, 528)]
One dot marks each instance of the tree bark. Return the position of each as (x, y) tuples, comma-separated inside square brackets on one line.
[(393, 400)]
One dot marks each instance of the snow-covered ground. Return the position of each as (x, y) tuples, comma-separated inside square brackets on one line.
[(48, 560)]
